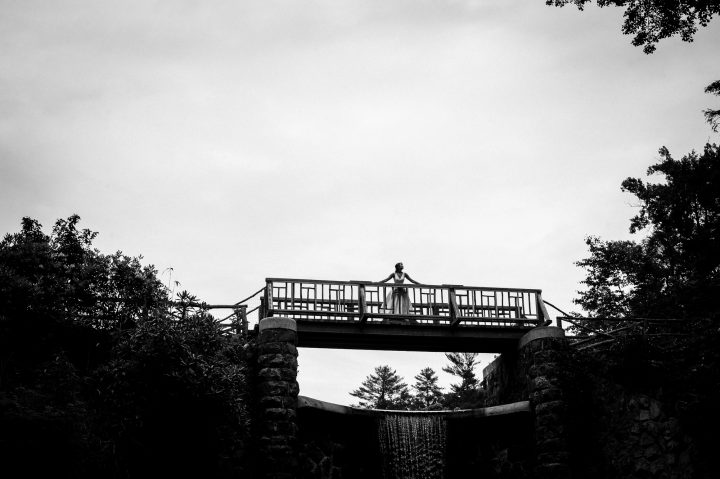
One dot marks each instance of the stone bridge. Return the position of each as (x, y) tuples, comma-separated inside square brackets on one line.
[(529, 372)]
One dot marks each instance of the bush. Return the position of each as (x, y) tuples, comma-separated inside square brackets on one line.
[(97, 374), (175, 398)]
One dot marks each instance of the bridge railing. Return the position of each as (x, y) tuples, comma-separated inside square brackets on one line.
[(362, 301)]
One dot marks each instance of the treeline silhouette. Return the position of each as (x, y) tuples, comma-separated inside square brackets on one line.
[(100, 376), (385, 389)]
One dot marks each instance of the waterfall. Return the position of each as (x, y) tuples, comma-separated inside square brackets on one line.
[(412, 445)]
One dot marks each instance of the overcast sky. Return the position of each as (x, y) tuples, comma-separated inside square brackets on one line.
[(476, 141)]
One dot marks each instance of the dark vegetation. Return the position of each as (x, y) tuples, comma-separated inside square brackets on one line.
[(101, 376), (654, 393), (670, 375), (674, 270), (712, 116), (650, 21)]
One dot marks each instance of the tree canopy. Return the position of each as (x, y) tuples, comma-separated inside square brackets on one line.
[(466, 393), (100, 373), (383, 390), (650, 21), (427, 392), (462, 366), (62, 277), (713, 116), (674, 271)]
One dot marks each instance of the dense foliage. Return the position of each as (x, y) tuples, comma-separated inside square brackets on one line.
[(674, 271), (61, 277), (712, 116), (175, 393), (650, 21), (100, 376)]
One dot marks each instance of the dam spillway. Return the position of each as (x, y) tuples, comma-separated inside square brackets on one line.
[(414, 444)]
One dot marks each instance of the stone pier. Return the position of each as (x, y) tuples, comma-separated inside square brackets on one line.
[(545, 354), (535, 371), (278, 392)]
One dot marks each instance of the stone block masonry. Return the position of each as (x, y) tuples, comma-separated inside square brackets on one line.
[(535, 371), (545, 358), (278, 392)]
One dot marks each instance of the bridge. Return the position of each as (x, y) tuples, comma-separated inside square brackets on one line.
[(351, 315)]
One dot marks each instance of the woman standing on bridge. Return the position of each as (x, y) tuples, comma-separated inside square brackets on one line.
[(398, 300)]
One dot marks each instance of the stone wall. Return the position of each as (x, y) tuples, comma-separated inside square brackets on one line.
[(625, 430), (505, 380), (590, 421), (639, 439), (334, 446)]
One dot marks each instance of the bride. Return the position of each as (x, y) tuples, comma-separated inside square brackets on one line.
[(398, 300)]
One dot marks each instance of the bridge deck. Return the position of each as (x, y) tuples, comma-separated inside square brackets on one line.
[(398, 336), (355, 315)]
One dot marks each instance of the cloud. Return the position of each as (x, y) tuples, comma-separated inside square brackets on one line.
[(478, 142)]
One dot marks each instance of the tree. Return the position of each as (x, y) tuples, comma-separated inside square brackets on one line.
[(653, 20), (174, 397), (462, 365), (97, 370), (674, 271), (466, 394), (61, 277), (428, 393), (383, 390), (713, 116), (611, 276)]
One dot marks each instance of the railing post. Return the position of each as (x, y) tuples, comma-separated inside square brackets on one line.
[(236, 321), (262, 310), (362, 303), (543, 315), (241, 322), (268, 299)]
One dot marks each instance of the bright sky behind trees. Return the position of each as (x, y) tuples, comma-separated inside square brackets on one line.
[(476, 141)]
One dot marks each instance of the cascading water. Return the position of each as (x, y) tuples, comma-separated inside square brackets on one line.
[(412, 445)]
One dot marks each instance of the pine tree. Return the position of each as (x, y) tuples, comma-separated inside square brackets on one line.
[(429, 394), (462, 365), (466, 394), (383, 390)]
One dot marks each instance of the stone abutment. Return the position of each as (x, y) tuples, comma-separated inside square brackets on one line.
[(278, 392), (535, 371)]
